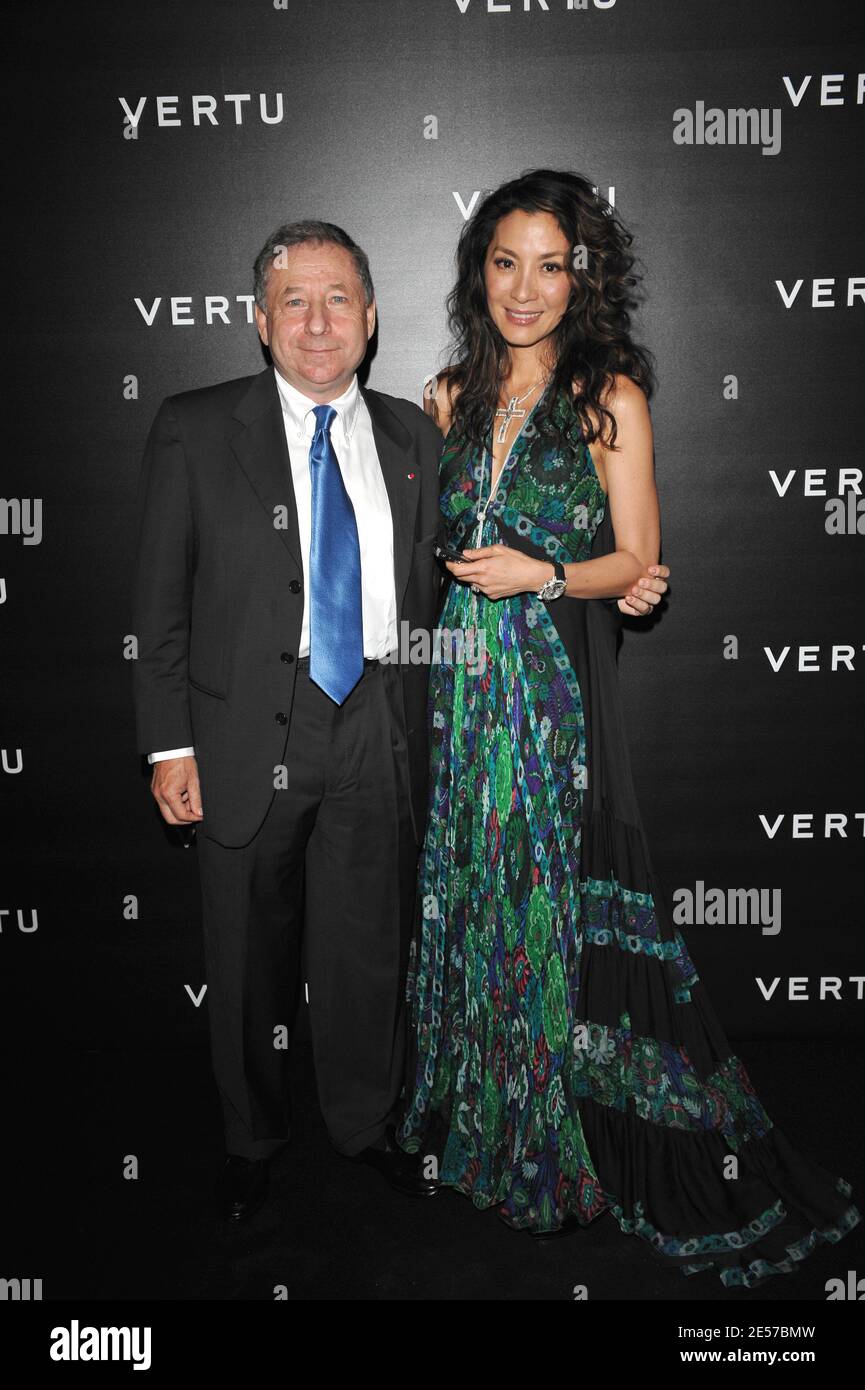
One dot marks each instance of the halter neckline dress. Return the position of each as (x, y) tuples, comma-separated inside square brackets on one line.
[(565, 1057)]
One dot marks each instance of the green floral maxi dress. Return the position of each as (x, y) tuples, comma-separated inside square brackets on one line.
[(566, 1057)]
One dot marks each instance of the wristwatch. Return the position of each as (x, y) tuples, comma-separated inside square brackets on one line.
[(554, 587)]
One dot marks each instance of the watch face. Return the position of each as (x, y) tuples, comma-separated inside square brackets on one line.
[(553, 588)]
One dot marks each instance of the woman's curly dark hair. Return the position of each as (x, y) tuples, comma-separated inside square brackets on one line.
[(592, 340)]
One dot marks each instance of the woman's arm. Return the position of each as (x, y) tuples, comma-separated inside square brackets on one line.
[(632, 501)]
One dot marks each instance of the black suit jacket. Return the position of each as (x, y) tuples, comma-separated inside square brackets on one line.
[(218, 589)]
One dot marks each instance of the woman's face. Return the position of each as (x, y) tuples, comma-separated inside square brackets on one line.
[(526, 277)]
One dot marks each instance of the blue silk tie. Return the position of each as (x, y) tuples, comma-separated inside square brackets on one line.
[(335, 607)]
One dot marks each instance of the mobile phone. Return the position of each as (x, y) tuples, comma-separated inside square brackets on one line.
[(447, 552)]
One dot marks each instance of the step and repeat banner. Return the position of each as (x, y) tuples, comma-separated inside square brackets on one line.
[(155, 146)]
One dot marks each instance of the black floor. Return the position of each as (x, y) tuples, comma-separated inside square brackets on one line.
[(334, 1230)]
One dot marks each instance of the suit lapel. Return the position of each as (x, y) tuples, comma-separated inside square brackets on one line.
[(393, 446), (262, 452)]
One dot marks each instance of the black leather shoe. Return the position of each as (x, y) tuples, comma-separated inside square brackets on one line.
[(242, 1187), (401, 1170)]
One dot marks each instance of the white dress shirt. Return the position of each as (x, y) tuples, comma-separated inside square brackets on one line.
[(353, 442)]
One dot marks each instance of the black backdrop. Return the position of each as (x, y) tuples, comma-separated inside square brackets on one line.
[(394, 114)]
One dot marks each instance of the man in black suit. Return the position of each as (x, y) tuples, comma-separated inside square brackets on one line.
[(287, 524)]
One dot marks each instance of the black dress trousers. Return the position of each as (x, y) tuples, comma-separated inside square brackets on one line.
[(324, 893)]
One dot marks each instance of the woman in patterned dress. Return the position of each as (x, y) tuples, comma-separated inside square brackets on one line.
[(567, 1060)]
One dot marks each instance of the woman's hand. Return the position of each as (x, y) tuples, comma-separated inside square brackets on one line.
[(646, 593), (499, 571)]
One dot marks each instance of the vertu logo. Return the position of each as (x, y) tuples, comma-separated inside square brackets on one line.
[(801, 825), (179, 308), (20, 1290), (807, 659), (202, 110), (826, 987), (538, 6)]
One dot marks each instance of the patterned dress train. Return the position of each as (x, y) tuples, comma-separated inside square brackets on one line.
[(566, 1057)]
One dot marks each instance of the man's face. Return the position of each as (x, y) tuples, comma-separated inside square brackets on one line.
[(317, 323)]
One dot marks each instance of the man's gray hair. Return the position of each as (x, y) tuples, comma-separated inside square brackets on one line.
[(297, 234)]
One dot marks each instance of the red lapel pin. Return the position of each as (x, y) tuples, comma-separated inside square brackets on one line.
[(409, 475)]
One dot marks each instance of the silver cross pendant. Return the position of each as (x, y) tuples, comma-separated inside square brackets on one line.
[(510, 412)]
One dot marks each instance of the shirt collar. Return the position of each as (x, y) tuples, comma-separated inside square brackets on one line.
[(299, 408)]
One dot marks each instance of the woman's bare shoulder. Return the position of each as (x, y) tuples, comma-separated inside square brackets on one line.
[(623, 393), (439, 398), (626, 402)]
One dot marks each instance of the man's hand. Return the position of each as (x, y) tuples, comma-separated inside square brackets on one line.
[(647, 591), (175, 787)]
